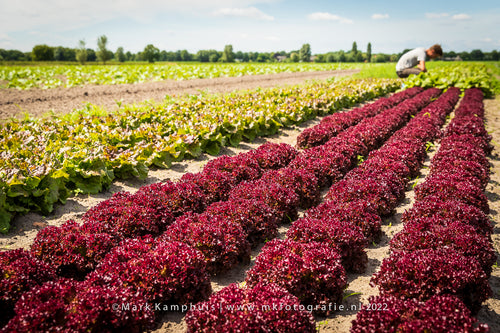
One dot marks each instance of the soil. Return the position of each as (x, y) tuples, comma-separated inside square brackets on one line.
[(36, 102), (490, 312), (25, 227)]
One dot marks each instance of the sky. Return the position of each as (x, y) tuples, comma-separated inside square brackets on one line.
[(252, 25)]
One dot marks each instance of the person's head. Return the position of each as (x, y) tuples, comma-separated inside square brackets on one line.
[(434, 51)]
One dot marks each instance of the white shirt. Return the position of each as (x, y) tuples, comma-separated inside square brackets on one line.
[(411, 59)]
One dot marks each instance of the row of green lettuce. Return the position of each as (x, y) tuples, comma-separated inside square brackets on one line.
[(462, 75), (53, 76), (44, 161)]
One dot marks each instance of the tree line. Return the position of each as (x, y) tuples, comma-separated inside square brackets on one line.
[(82, 54)]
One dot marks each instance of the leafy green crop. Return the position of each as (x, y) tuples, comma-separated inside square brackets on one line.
[(43, 161), (46, 77), (462, 75)]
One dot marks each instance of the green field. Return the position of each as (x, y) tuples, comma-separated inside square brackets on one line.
[(47, 75), (51, 76), (46, 160)]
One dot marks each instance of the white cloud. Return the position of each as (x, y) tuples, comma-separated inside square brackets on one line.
[(67, 15), (436, 15), (461, 17), (380, 16), (323, 16), (249, 12)]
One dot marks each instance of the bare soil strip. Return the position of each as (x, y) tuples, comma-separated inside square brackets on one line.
[(490, 312), (36, 102)]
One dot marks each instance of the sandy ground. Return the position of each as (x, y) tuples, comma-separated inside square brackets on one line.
[(26, 227), (490, 312)]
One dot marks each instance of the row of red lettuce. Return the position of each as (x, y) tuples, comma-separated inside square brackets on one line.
[(436, 276), (312, 261)]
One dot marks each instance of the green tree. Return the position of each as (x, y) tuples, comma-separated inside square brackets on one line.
[(380, 57), (81, 52), (91, 55), (69, 54), (203, 56), (465, 55), (163, 56), (495, 55), (214, 57), (240, 56), (476, 55), (305, 53), (120, 54), (185, 55), (59, 53), (102, 52), (341, 56), (393, 58), (172, 56), (228, 54), (252, 56), (354, 49), (150, 53), (320, 58), (207, 55), (42, 53), (450, 54), (369, 52), (14, 55), (263, 57), (64, 54)]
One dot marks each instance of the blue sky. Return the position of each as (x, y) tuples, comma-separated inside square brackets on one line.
[(252, 25)]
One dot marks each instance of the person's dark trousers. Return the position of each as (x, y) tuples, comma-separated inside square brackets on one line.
[(406, 72)]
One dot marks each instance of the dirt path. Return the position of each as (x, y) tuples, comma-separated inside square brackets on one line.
[(36, 102), (490, 312)]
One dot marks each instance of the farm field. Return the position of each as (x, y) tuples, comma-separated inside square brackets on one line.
[(37, 102), (26, 227), (67, 76)]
